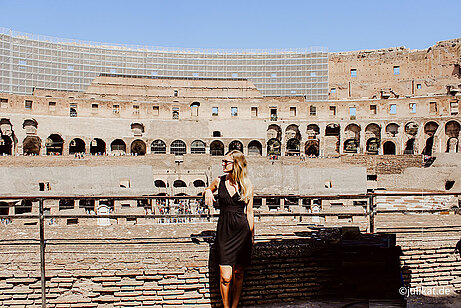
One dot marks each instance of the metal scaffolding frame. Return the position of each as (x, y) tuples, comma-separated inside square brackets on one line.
[(30, 61)]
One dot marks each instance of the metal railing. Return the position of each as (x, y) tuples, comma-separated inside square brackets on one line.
[(204, 213)]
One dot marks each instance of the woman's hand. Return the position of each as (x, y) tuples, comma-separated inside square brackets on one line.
[(209, 198)]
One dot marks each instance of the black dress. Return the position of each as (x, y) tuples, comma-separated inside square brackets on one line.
[(233, 235)]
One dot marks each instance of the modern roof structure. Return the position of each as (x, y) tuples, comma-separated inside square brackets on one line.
[(28, 61)]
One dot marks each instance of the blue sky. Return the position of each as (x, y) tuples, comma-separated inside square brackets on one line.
[(339, 25)]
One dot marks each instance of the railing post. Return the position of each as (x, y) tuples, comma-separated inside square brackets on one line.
[(371, 214), (42, 253)]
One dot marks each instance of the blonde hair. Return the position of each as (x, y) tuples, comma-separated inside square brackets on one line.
[(239, 174)]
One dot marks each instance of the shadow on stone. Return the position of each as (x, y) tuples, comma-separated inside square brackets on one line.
[(323, 263)]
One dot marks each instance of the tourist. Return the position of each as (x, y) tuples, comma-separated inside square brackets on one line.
[(235, 231)]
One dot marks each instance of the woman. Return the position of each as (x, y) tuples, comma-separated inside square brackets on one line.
[(235, 232)]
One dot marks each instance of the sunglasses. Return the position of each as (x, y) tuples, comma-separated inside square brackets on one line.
[(227, 162)]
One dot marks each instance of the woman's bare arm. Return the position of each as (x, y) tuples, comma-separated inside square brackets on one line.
[(250, 215), (209, 192)]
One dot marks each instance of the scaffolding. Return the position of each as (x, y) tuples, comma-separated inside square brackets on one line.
[(29, 61)]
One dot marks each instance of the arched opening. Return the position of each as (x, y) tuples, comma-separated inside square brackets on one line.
[(312, 148), (31, 145), (6, 145), (409, 146), (178, 147), (292, 131), (351, 146), (158, 147), (389, 148), (373, 130), (97, 147), (236, 145), (255, 148), (332, 129), (199, 183), (194, 109), (430, 129), (118, 146), (217, 148), (179, 183), (312, 131), (292, 147), (197, 147), (352, 136), (274, 132), (452, 145), (332, 139), (411, 128), (428, 148), (373, 145), (54, 145), (137, 129), (138, 147), (392, 129), (452, 129), (76, 145), (30, 125), (159, 184), (274, 147)]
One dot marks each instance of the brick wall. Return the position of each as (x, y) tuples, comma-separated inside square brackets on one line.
[(124, 266)]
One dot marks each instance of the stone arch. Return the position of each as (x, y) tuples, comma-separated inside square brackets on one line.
[(351, 145), (76, 145), (452, 129), (31, 145), (137, 129), (293, 147), (292, 131), (389, 148), (236, 145), (159, 183), (373, 130), (452, 145), (178, 147), (118, 146), (332, 139), (312, 131), (411, 128), (333, 129), (138, 147), (216, 148), (54, 144), (274, 147), (179, 183), (198, 147), (194, 107), (392, 129), (255, 148), (30, 125), (312, 148), (274, 131), (199, 183), (373, 145), (158, 147), (352, 131), (97, 146), (430, 128)]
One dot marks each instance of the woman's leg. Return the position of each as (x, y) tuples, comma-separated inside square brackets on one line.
[(225, 272), (237, 283)]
